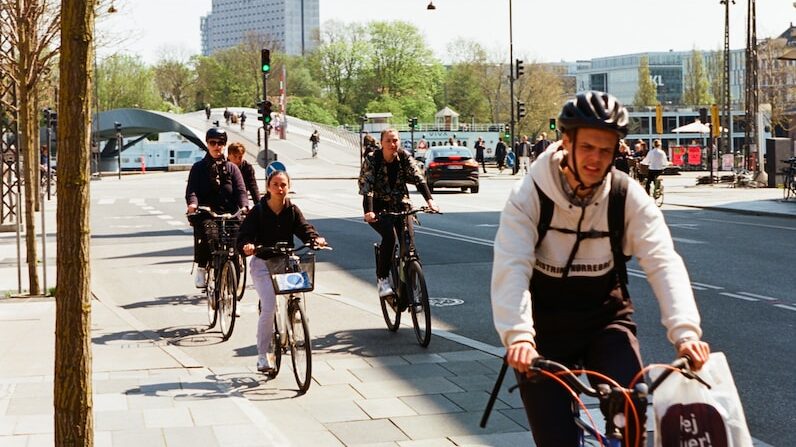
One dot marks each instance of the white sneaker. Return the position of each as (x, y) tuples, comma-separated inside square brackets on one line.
[(199, 278), (265, 362), (385, 289)]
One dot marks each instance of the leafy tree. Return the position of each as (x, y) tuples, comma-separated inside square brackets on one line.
[(342, 61), (647, 94), (400, 59), (124, 81), (174, 79), (773, 77), (541, 89), (308, 110), (73, 419), (697, 86), (715, 74)]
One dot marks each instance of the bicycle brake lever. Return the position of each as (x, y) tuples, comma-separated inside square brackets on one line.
[(694, 376)]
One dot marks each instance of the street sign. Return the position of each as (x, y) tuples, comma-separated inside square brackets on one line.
[(261, 159), (275, 166)]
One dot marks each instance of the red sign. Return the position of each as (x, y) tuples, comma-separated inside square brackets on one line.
[(678, 154), (694, 155)]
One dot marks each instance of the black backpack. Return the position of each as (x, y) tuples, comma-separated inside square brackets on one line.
[(616, 222)]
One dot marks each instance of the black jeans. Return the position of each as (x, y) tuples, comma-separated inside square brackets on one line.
[(612, 351), (388, 228), (654, 173), (201, 249)]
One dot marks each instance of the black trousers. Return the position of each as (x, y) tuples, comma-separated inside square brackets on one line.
[(654, 173), (388, 228), (612, 351), (201, 249)]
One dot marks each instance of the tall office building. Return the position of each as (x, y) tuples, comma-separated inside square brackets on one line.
[(291, 24)]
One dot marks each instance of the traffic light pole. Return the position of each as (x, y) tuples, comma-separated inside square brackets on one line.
[(265, 123), (511, 82)]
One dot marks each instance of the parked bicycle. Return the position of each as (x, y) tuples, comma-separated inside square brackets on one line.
[(224, 272), (292, 275), (789, 182), (407, 281), (626, 407)]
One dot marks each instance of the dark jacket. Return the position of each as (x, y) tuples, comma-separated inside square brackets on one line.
[(374, 182), (217, 184), (263, 227), (500, 152), (479, 151), (524, 149), (249, 179), (540, 147)]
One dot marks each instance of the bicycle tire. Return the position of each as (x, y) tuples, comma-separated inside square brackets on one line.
[(240, 268), (300, 346), (210, 294), (658, 195), (227, 299), (276, 345), (787, 187), (418, 293), (389, 304)]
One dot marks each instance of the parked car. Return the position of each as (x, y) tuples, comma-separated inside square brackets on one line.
[(451, 167)]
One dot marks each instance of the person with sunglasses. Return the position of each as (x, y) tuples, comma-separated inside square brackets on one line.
[(217, 183)]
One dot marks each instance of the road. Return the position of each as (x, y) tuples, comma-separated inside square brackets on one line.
[(740, 266)]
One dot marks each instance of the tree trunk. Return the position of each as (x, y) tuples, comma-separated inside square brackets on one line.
[(27, 120), (74, 423)]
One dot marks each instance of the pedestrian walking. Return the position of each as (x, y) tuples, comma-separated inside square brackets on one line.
[(541, 144), (227, 115), (523, 155), (315, 138), (242, 119), (369, 144), (500, 154), (479, 153), (207, 111)]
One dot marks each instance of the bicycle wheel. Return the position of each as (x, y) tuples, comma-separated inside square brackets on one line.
[(389, 304), (210, 293), (787, 187), (658, 194), (227, 292), (300, 345), (276, 345), (421, 318), (240, 268)]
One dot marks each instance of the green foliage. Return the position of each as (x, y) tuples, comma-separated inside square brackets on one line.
[(124, 81), (309, 110), (696, 91), (174, 79), (647, 94)]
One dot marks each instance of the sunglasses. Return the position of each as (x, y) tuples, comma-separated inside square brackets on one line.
[(215, 143)]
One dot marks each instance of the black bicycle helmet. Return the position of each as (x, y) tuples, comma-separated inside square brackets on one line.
[(596, 110), (216, 133)]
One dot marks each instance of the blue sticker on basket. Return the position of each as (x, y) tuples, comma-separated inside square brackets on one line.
[(293, 281)]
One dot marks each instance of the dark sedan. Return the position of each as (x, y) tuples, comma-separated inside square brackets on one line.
[(451, 167)]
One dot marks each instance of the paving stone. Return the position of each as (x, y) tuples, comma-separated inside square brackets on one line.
[(34, 424), (361, 432), (110, 402), (167, 417), (324, 438), (494, 364), (408, 387), (37, 389), (218, 413), (118, 420), (190, 437), (102, 438), (14, 441), (424, 358), (121, 386), (242, 435), (431, 404), (19, 406), (453, 424), (385, 408), (466, 368), (333, 392), (327, 411), (7, 424), (334, 376), (4, 406), (142, 401), (152, 437), (465, 356), (289, 416), (41, 440), (441, 442), (401, 372), (480, 382), (387, 360), (517, 439), (376, 444), (473, 400), (517, 415), (348, 363)]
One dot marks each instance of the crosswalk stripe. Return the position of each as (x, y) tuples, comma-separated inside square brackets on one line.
[(167, 200), (106, 201)]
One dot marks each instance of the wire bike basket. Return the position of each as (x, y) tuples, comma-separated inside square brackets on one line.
[(292, 274), (221, 232)]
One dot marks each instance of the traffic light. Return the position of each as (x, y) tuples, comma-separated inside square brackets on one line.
[(520, 109), (118, 126), (519, 69), (264, 114), (715, 120), (50, 118), (659, 119), (412, 122), (265, 60), (703, 115), (552, 124)]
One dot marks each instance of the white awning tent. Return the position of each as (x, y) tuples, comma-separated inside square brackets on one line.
[(695, 127)]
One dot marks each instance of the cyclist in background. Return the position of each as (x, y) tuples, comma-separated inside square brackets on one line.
[(274, 219), (235, 153), (218, 184), (657, 160), (382, 183), (564, 299)]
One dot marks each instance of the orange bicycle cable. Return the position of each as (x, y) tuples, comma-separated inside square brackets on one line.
[(628, 400), (577, 399)]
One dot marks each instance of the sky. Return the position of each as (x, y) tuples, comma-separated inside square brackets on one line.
[(543, 31)]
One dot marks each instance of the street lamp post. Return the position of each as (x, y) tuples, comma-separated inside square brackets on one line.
[(119, 143), (511, 83)]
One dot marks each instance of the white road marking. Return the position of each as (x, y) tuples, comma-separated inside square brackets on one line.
[(785, 306), (638, 275), (106, 201), (165, 217), (155, 212), (687, 241), (762, 297), (137, 201), (778, 227), (740, 297), (147, 208), (487, 225), (687, 226), (707, 286), (176, 223), (697, 287), (167, 200)]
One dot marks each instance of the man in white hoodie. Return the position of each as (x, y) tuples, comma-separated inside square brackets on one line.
[(561, 297)]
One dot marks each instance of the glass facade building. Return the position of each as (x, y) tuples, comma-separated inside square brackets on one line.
[(291, 25)]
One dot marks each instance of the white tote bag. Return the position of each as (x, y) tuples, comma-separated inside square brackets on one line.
[(687, 413)]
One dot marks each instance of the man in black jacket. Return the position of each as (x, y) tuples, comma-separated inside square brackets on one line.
[(218, 184)]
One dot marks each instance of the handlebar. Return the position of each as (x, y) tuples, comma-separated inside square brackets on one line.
[(283, 248), (412, 212), (209, 211)]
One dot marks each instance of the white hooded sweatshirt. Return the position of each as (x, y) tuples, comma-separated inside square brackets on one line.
[(646, 237)]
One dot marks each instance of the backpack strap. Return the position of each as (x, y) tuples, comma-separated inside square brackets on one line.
[(545, 214), (616, 224)]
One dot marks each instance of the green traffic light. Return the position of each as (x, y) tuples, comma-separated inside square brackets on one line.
[(266, 68)]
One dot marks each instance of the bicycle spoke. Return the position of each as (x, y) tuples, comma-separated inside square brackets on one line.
[(210, 295), (300, 346), (421, 309), (227, 299), (389, 304)]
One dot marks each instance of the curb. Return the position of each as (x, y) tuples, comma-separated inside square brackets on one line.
[(728, 209)]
